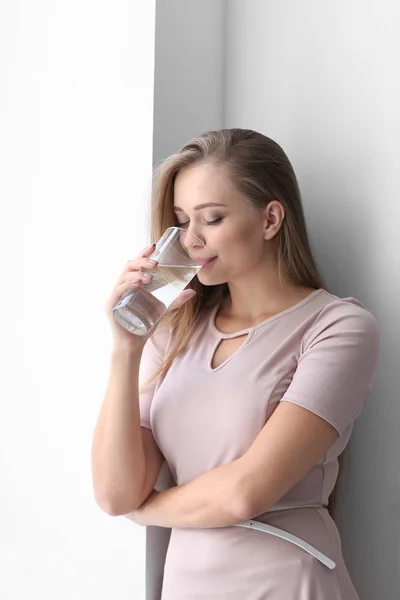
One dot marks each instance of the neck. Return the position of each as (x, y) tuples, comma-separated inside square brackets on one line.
[(256, 297)]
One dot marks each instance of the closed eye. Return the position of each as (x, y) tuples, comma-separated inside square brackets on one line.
[(215, 222)]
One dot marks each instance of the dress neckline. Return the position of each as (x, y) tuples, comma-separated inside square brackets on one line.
[(213, 328)]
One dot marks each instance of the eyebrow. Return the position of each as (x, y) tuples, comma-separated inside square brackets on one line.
[(177, 209)]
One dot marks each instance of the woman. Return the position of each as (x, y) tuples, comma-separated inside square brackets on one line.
[(251, 385)]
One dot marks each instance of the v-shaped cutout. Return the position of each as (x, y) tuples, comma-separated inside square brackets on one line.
[(226, 349)]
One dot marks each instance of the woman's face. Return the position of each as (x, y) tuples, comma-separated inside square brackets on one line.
[(231, 230)]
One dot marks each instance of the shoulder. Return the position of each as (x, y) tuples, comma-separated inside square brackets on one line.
[(347, 316)]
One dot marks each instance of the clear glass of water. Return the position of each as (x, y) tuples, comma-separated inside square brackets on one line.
[(180, 256)]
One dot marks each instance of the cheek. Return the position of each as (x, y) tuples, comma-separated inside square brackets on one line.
[(242, 241)]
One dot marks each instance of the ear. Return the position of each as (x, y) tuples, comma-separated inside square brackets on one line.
[(274, 213)]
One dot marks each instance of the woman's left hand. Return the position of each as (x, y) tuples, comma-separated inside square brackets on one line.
[(138, 516)]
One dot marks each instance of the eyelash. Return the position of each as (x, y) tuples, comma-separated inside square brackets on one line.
[(215, 222)]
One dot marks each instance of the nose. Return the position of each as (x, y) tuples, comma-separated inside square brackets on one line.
[(192, 243)]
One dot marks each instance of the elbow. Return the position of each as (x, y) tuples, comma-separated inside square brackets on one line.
[(251, 508), (248, 504), (106, 505), (115, 507), (108, 508), (241, 508)]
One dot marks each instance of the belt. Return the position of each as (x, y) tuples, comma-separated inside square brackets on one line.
[(254, 524)]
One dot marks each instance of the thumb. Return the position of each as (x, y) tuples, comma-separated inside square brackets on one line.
[(183, 297)]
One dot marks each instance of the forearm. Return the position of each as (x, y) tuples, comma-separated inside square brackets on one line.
[(211, 500), (118, 461)]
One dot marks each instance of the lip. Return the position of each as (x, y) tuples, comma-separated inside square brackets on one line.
[(208, 261)]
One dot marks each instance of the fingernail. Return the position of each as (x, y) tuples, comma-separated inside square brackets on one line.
[(153, 261)]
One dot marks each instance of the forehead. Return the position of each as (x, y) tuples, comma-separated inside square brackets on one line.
[(202, 183)]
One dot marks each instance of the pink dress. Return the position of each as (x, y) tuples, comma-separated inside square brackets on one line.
[(320, 354)]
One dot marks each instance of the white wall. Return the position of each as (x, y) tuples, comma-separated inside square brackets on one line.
[(76, 128), (321, 78)]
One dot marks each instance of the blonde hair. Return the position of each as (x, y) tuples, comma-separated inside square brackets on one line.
[(260, 170)]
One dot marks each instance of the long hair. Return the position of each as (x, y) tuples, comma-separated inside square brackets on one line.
[(260, 171)]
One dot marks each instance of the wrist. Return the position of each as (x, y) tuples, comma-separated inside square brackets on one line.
[(127, 351)]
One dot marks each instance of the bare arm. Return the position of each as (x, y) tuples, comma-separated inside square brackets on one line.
[(289, 445), (119, 445), (126, 460)]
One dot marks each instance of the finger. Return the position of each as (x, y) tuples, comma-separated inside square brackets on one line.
[(132, 276), (130, 281), (138, 263), (147, 250), (120, 290)]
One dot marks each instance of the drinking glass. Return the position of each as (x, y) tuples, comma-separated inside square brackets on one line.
[(180, 256)]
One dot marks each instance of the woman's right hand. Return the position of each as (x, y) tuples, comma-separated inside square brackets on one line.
[(130, 279)]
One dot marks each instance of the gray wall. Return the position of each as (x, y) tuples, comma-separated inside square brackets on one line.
[(321, 78), (189, 68)]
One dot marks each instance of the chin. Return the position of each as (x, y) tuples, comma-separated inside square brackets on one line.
[(210, 280)]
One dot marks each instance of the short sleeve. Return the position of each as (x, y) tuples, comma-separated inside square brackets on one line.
[(337, 364), (152, 357)]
